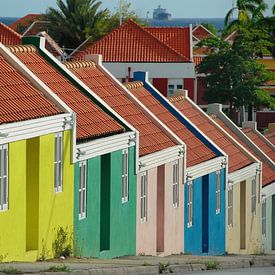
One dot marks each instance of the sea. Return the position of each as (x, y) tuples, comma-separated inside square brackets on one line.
[(177, 22)]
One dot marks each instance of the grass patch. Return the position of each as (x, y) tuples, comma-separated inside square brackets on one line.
[(11, 270), (59, 268), (163, 267), (146, 264), (211, 265)]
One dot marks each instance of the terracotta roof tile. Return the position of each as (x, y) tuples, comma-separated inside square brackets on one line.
[(19, 100), (201, 33), (92, 122), (25, 21), (178, 38), (237, 158), (197, 152), (8, 36), (268, 171), (131, 43), (271, 137), (152, 137), (260, 142)]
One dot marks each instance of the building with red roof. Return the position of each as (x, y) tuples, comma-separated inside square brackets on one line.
[(8, 36), (165, 52), (160, 161)]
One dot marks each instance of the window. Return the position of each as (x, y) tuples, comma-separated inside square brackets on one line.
[(230, 206), (264, 218), (143, 197), (218, 192), (253, 196), (58, 162), (190, 203), (4, 177), (82, 191), (124, 175), (174, 85), (176, 183)]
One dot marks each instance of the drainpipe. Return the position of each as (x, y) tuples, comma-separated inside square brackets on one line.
[(129, 74)]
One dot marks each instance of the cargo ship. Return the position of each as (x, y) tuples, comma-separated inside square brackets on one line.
[(161, 14)]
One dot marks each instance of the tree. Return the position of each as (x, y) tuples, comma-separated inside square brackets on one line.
[(210, 27), (76, 20), (247, 10), (233, 79)]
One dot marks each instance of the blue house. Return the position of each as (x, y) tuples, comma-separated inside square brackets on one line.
[(204, 177)]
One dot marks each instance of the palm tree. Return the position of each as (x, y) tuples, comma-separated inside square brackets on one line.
[(247, 10), (75, 20)]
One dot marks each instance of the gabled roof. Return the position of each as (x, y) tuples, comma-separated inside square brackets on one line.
[(178, 38), (92, 122), (271, 137), (152, 137), (200, 32), (231, 37), (237, 158), (197, 151), (268, 171), (8, 36), (131, 43), (25, 21), (19, 100), (261, 142)]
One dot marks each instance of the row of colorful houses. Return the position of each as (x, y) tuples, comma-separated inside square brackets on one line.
[(120, 167)]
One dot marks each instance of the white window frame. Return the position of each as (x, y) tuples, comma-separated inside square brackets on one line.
[(190, 199), (264, 217), (82, 190), (175, 83), (176, 184), (218, 192), (58, 157), (125, 175), (253, 195), (4, 177), (230, 206), (143, 196)]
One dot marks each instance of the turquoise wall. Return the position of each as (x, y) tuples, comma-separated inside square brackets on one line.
[(90, 240)]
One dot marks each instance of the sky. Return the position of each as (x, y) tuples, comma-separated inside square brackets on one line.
[(178, 8)]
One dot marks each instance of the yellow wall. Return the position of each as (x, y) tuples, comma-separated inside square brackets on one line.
[(252, 232), (29, 228)]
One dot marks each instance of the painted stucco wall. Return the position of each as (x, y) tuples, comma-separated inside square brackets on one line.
[(208, 227), (13, 221), (122, 223), (267, 239), (173, 217), (252, 222), (35, 212)]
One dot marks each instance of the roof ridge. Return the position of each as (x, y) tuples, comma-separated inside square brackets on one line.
[(176, 98), (22, 48), (133, 85), (11, 30), (79, 64)]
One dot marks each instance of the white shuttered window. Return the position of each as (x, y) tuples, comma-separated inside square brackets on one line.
[(230, 206), (125, 168), (190, 203), (143, 197), (4, 177), (58, 162), (218, 192), (254, 196), (264, 218), (82, 190), (176, 183)]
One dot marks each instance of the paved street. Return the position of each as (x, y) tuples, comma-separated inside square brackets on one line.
[(244, 271)]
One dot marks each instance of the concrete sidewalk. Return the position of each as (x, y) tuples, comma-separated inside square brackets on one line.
[(139, 265)]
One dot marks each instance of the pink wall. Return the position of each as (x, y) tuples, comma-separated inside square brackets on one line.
[(173, 217)]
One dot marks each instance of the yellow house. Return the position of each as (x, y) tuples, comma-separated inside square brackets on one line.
[(36, 170)]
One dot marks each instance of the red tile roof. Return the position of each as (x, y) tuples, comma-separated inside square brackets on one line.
[(271, 137), (8, 36), (25, 21), (92, 122), (197, 152), (132, 43), (178, 38), (152, 137), (19, 100), (201, 32), (268, 171), (260, 142), (237, 158)]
